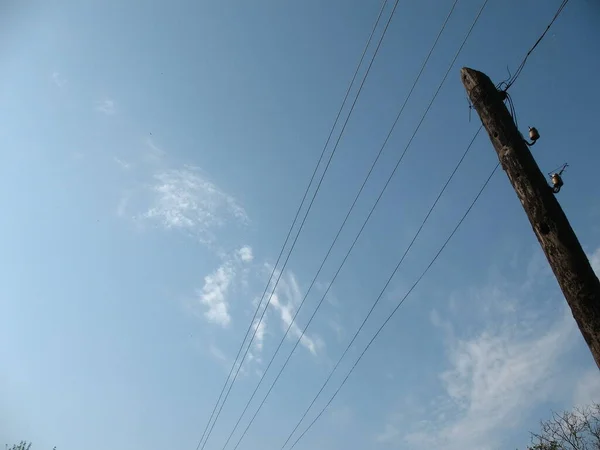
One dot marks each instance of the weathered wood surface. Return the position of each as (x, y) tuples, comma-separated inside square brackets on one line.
[(570, 265)]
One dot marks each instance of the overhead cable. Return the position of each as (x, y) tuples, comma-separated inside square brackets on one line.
[(342, 226), (368, 217), (414, 285), (207, 431), (505, 85)]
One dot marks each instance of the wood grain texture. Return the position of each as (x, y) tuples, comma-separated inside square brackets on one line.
[(570, 264)]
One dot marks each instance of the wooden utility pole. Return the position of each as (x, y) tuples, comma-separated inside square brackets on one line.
[(570, 265)]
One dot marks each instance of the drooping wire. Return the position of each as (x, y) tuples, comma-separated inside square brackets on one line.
[(512, 109), (342, 226), (414, 285), (505, 85), (559, 170), (372, 209), (556, 177), (256, 327)]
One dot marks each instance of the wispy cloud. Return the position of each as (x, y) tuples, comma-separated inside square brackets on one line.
[(106, 106), (494, 377), (181, 197), (214, 294), (184, 199), (260, 329), (494, 380), (285, 300), (245, 254), (58, 80)]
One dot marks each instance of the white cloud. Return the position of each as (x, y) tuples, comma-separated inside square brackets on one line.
[(184, 199), (58, 80), (494, 380), (496, 377), (245, 253), (215, 291), (106, 106), (214, 295), (285, 300), (259, 337), (496, 374)]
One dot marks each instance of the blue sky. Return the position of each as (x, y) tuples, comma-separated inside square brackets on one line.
[(154, 155)]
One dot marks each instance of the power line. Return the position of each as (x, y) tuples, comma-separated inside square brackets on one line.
[(513, 79), (426, 217), (295, 219), (304, 218), (370, 213), (415, 284), (505, 85), (377, 300), (336, 238), (297, 212)]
